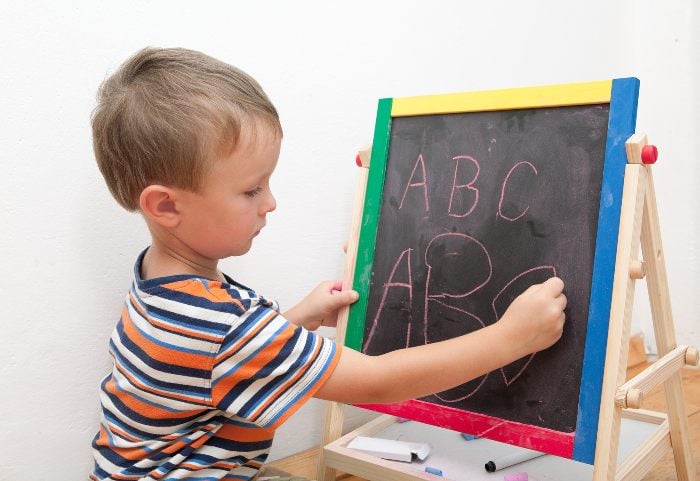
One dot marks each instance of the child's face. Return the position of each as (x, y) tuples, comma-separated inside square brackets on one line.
[(229, 210)]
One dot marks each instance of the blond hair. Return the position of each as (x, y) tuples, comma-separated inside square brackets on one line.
[(165, 114)]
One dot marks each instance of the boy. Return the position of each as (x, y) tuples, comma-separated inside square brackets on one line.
[(205, 369)]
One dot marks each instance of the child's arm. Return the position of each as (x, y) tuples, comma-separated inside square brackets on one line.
[(320, 307), (533, 322)]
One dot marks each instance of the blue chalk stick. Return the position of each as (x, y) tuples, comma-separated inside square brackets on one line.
[(469, 437), (435, 471)]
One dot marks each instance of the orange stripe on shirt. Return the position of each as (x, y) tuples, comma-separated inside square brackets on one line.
[(263, 357), (161, 353), (233, 432), (148, 410), (135, 453), (103, 440), (213, 292), (250, 368), (120, 477), (218, 465)]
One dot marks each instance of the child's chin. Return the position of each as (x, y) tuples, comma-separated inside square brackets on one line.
[(241, 250)]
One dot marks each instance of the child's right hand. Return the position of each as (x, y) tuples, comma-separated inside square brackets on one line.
[(535, 319)]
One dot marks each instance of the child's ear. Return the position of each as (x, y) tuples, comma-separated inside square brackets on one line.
[(159, 204)]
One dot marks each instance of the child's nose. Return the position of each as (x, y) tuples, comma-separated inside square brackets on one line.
[(271, 203)]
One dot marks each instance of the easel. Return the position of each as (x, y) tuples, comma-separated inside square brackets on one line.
[(639, 225)]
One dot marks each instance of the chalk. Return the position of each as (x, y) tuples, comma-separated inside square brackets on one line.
[(469, 437), (515, 477), (402, 420), (435, 471), (511, 460), (390, 449)]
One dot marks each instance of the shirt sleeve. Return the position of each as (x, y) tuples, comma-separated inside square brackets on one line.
[(268, 367)]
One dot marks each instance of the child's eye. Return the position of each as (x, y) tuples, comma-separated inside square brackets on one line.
[(254, 192)]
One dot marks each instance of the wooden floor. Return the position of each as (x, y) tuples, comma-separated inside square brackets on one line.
[(304, 464)]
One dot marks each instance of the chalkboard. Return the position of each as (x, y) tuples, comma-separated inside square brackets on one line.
[(472, 198)]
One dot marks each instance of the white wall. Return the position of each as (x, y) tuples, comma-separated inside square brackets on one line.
[(67, 249), (666, 53)]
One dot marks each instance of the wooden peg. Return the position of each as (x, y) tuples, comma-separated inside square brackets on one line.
[(650, 154), (637, 269), (692, 356), (629, 398), (634, 398), (631, 394)]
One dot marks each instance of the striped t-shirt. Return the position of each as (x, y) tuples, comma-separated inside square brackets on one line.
[(204, 372)]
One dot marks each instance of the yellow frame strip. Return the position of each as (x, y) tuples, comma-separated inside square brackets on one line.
[(508, 99)]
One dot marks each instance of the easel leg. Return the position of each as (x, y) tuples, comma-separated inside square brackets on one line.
[(333, 423), (660, 301), (620, 323), (333, 429)]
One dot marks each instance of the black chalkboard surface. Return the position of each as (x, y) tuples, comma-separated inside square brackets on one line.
[(476, 208), (470, 209)]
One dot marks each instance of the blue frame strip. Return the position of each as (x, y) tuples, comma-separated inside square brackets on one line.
[(621, 125)]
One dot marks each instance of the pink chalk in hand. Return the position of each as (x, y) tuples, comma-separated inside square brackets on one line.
[(515, 477)]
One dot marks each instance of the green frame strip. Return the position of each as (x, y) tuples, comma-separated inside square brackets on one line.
[(368, 230)]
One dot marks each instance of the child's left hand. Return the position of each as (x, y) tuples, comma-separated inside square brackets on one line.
[(320, 307)]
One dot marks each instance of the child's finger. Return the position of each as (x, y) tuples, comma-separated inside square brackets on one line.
[(554, 286), (562, 301), (343, 298)]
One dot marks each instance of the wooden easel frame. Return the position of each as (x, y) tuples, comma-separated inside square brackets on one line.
[(639, 225)]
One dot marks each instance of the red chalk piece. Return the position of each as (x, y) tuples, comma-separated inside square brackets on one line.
[(358, 160), (515, 477), (649, 154)]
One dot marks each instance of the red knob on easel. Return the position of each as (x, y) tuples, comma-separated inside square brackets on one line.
[(649, 154), (358, 160)]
